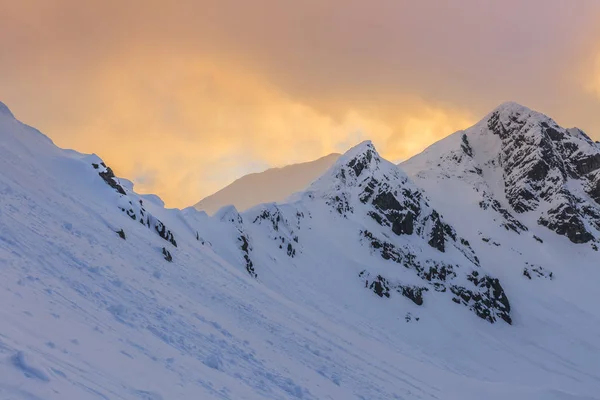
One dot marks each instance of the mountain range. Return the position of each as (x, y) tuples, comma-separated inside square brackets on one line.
[(468, 271)]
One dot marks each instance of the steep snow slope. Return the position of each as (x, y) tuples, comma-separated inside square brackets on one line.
[(272, 185), (108, 295)]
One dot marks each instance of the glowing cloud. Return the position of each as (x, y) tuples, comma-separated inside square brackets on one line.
[(184, 97)]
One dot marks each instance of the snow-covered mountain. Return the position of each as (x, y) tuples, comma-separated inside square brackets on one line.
[(370, 284), (522, 163), (272, 185)]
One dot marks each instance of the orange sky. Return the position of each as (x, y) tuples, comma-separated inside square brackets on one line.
[(183, 98)]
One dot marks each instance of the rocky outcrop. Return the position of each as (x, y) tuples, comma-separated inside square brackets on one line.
[(486, 297), (167, 255), (137, 212), (536, 271), (246, 254), (487, 300), (107, 174), (383, 288), (538, 158), (279, 228)]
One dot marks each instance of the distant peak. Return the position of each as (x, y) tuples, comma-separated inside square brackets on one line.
[(4, 110)]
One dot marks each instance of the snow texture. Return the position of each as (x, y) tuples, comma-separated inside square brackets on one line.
[(372, 283)]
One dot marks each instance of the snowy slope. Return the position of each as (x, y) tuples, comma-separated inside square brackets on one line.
[(272, 185), (361, 287)]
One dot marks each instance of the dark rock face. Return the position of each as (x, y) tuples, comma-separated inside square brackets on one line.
[(486, 297), (592, 186), (361, 162), (167, 255), (536, 271), (587, 164), (246, 253), (465, 146), (404, 224), (138, 212), (437, 237), (415, 293), (386, 201), (510, 222), (383, 288), (109, 177), (401, 217), (121, 234), (487, 300), (565, 220), (538, 157), (341, 204), (380, 286), (164, 233)]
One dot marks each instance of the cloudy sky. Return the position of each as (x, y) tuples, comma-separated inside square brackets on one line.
[(184, 96)]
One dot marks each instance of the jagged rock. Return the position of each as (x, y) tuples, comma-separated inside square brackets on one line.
[(537, 272), (510, 222), (121, 234), (437, 236), (380, 286), (465, 146), (535, 159), (109, 177), (164, 233), (415, 293), (488, 299), (359, 163), (290, 250), (246, 249), (167, 255), (565, 220)]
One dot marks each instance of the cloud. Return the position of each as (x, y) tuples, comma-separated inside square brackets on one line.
[(184, 97)]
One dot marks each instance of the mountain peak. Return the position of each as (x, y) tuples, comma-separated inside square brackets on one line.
[(4, 110), (511, 114), (510, 107), (360, 157)]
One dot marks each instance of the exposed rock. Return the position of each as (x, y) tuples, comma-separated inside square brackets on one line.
[(167, 255), (465, 146), (437, 236), (415, 293), (164, 233), (246, 249), (109, 177), (565, 220), (536, 271), (488, 300)]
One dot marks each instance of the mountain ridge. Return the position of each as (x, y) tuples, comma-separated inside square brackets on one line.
[(374, 282), (257, 188)]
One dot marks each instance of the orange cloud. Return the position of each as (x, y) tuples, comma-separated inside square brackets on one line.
[(203, 124), (184, 97), (593, 82)]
